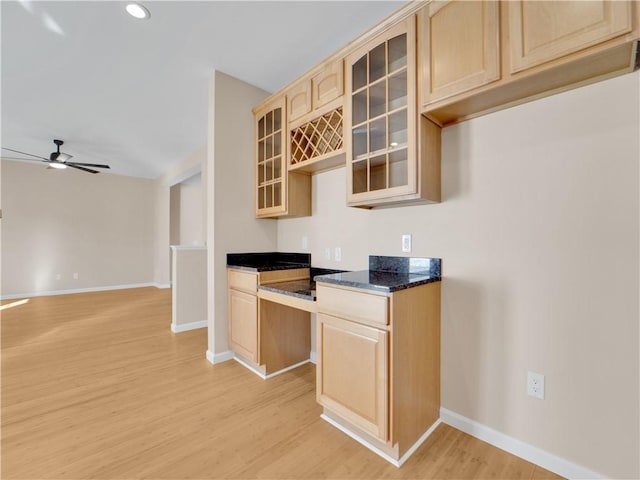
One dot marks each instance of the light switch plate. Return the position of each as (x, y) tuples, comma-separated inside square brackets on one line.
[(406, 243)]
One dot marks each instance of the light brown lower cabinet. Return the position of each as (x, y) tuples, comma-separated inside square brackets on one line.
[(378, 363), (267, 336)]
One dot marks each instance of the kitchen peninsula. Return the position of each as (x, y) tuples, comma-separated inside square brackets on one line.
[(378, 339)]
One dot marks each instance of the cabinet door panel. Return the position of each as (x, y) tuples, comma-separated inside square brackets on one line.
[(328, 84), (352, 376), (243, 324), (460, 47), (298, 100), (543, 31)]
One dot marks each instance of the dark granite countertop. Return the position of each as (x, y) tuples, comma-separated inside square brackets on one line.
[(267, 261), (304, 289), (385, 274), (389, 274)]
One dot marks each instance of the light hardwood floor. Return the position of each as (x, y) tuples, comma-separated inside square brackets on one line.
[(95, 386)]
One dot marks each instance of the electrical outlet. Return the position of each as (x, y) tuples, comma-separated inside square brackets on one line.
[(58, 276), (406, 243), (337, 254), (535, 385), (327, 253), (305, 243), (75, 276)]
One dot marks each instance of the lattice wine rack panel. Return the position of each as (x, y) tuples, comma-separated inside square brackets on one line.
[(317, 138)]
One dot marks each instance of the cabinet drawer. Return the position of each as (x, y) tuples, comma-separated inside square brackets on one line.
[(245, 281), (354, 305)]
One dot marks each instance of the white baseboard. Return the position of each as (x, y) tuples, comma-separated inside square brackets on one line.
[(419, 442), (517, 447), (185, 327), (219, 357), (77, 290), (162, 285), (312, 357), (376, 450), (262, 375)]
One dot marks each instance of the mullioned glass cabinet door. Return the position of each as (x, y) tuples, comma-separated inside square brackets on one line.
[(381, 105), (270, 158)]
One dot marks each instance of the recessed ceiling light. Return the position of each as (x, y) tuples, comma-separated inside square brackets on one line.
[(138, 11)]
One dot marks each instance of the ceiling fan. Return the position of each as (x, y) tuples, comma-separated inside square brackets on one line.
[(58, 159)]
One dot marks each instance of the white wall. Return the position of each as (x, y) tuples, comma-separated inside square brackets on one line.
[(232, 226), (65, 222), (539, 235)]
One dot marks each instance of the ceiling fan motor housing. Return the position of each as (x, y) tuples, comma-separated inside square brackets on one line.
[(54, 155)]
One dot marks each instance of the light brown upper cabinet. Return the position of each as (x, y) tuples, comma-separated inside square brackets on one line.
[(545, 47), (544, 31), (278, 193), (311, 93), (316, 132), (381, 122), (459, 47)]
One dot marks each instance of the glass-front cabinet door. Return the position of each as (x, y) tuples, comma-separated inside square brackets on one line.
[(270, 157), (381, 119)]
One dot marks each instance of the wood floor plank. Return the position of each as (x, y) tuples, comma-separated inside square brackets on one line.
[(95, 386)]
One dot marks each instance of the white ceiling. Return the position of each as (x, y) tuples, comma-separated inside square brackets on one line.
[(133, 93)]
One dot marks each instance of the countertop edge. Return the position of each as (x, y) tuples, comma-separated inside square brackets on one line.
[(378, 288), (275, 289), (267, 268)]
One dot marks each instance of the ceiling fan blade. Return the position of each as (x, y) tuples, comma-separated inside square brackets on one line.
[(25, 153), (22, 159), (96, 165), (72, 165)]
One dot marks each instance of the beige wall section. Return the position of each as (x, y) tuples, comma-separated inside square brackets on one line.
[(232, 226), (183, 170), (66, 222), (189, 285), (174, 214), (186, 168), (191, 226), (185, 213), (161, 274), (539, 235)]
